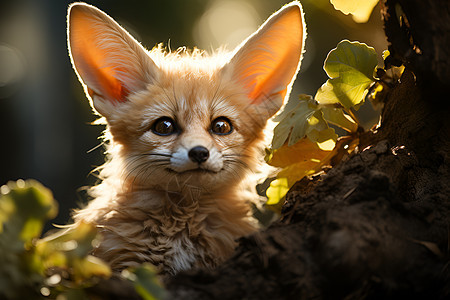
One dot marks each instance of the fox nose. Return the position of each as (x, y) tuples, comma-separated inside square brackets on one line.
[(198, 154)]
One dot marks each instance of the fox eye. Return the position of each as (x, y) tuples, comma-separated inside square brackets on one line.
[(221, 126), (164, 126)]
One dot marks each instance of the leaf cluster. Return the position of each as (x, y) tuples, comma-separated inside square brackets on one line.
[(304, 141), (59, 265)]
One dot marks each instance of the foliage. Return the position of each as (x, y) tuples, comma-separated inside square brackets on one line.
[(56, 266), (24, 206), (145, 282), (350, 67), (304, 143)]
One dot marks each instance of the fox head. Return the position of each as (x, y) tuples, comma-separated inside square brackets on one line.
[(184, 119)]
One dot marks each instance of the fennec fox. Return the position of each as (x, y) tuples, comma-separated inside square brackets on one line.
[(183, 131)]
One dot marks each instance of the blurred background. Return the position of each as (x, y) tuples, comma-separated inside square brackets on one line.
[(44, 115)]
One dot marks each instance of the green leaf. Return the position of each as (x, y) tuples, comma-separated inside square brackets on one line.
[(326, 96), (58, 266), (146, 281), (299, 117), (84, 268), (24, 207), (7, 209), (69, 251), (348, 94), (350, 67), (77, 241), (31, 199), (32, 228), (290, 106), (349, 57), (337, 117), (360, 9)]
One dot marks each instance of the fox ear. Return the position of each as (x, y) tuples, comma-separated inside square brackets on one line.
[(109, 62), (267, 62)]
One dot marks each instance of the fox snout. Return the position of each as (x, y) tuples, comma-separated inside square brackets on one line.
[(197, 157), (198, 154)]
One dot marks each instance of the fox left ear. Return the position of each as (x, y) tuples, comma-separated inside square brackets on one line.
[(109, 62), (267, 62)]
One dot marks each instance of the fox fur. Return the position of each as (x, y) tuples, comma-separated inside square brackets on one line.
[(159, 199)]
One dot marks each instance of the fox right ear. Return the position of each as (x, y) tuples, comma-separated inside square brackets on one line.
[(109, 62), (267, 63)]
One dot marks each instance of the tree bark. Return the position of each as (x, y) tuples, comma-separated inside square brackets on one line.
[(376, 226)]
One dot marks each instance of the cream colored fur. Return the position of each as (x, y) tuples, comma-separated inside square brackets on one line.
[(155, 204)]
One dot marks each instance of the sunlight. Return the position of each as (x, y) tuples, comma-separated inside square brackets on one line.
[(225, 23)]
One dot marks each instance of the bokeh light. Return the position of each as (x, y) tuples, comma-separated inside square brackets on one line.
[(225, 23), (12, 69)]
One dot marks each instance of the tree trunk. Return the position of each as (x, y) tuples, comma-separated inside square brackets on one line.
[(377, 225)]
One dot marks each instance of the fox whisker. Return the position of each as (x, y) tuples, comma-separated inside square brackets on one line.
[(158, 154)]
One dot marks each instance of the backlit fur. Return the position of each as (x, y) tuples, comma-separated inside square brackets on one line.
[(154, 204), (202, 213)]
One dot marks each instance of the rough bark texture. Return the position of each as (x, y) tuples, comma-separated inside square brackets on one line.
[(419, 36), (377, 225)]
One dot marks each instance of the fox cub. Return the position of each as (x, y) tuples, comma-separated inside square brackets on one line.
[(183, 131)]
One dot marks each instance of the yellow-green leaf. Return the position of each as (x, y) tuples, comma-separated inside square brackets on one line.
[(325, 139), (7, 209), (337, 117), (293, 121), (57, 266), (300, 117), (277, 190), (291, 105), (146, 281), (53, 259), (69, 250), (25, 206), (303, 158), (349, 94), (87, 267), (350, 67), (31, 229), (325, 95), (349, 58), (303, 150), (359, 9), (297, 171), (395, 73)]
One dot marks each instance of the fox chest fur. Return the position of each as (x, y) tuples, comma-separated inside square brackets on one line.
[(179, 235), (183, 131)]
